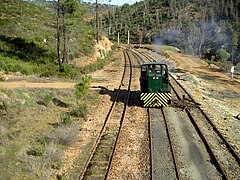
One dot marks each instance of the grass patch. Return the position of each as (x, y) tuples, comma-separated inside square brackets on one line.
[(99, 64), (37, 135), (12, 65), (65, 120), (40, 166), (80, 111), (37, 151), (64, 135), (25, 133), (223, 65), (169, 48), (8, 65)]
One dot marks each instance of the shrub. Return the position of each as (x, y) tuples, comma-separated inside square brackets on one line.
[(114, 47), (52, 156), (47, 99), (47, 70), (43, 141), (222, 55), (68, 71), (65, 120), (13, 65), (4, 106), (237, 67), (225, 65), (81, 111), (64, 135), (37, 151), (82, 87), (99, 64)]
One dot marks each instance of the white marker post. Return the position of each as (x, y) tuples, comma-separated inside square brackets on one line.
[(128, 37), (232, 71), (118, 37)]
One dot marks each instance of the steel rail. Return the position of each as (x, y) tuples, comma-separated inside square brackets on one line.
[(137, 56), (167, 130), (230, 148), (104, 125), (171, 144), (207, 145), (150, 145), (123, 114)]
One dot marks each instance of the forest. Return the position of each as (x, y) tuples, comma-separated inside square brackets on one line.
[(200, 28)]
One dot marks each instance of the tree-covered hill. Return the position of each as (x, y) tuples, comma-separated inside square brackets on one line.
[(194, 26), (28, 34)]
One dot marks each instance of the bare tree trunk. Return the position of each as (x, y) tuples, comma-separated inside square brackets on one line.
[(58, 33), (68, 48), (110, 25), (200, 47), (157, 19), (97, 22), (64, 38)]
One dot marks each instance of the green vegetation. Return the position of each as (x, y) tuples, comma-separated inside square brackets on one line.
[(222, 55), (28, 38), (192, 26), (65, 120), (237, 67), (82, 87), (80, 111), (34, 132), (99, 64), (12, 65), (168, 48)]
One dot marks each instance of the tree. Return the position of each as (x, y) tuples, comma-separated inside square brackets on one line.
[(234, 43), (222, 55), (66, 11), (70, 9), (97, 19)]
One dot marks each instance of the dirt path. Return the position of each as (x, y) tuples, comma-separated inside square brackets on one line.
[(25, 84), (54, 85)]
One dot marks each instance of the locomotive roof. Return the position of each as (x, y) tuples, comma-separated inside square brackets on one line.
[(149, 63)]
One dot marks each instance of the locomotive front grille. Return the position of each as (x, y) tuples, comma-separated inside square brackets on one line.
[(156, 99)]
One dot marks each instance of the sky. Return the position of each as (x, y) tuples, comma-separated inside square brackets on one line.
[(114, 2)]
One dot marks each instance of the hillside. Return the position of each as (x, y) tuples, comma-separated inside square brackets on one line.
[(194, 26), (28, 34)]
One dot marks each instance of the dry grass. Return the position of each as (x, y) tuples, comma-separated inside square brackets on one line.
[(24, 128), (64, 135)]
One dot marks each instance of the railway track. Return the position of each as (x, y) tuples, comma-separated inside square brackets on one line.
[(100, 159), (227, 161), (170, 163), (215, 142)]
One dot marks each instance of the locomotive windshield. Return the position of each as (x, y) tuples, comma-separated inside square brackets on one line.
[(154, 68)]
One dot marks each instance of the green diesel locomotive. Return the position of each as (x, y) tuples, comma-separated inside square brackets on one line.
[(155, 87)]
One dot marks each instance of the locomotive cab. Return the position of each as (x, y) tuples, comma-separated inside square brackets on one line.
[(154, 82)]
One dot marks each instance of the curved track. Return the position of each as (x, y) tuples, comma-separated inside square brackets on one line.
[(100, 159)]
